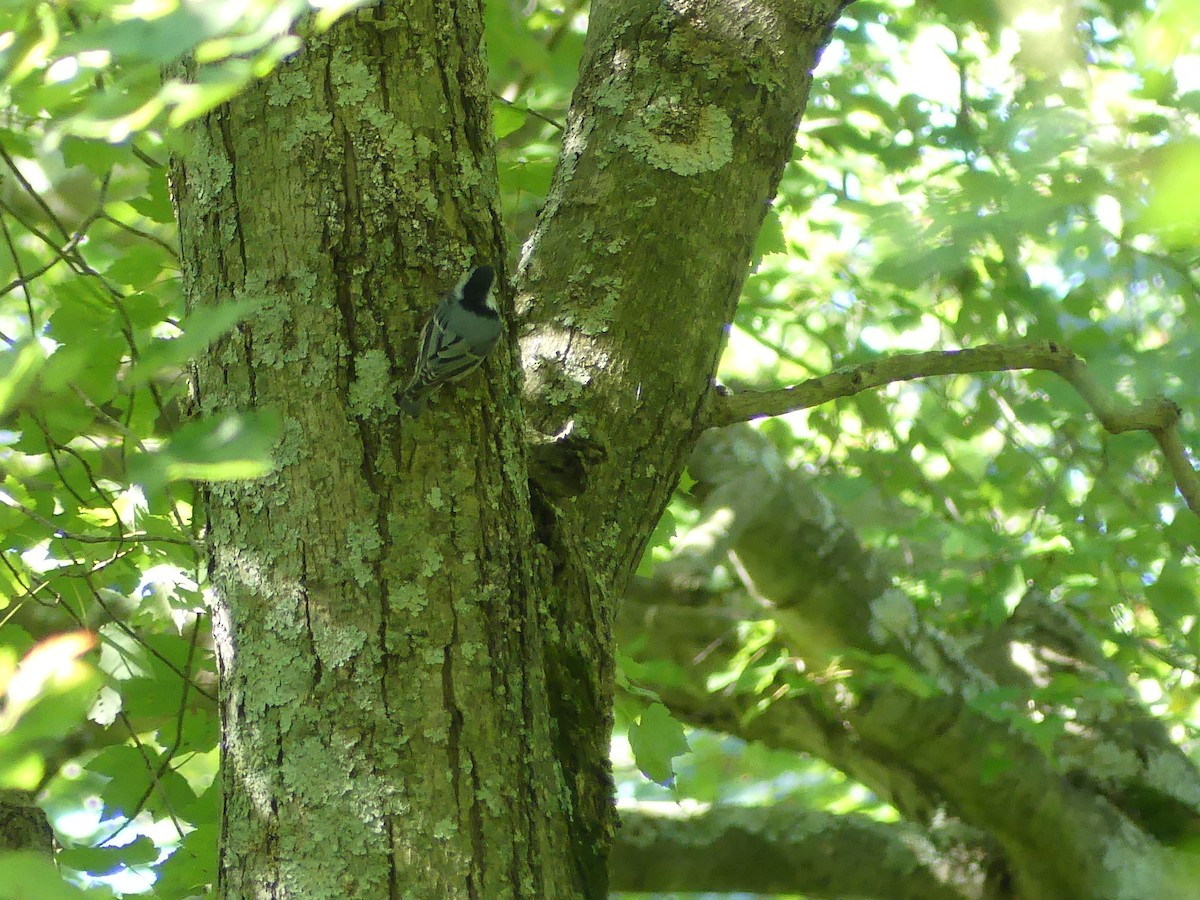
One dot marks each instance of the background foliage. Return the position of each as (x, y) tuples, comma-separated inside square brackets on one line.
[(967, 173)]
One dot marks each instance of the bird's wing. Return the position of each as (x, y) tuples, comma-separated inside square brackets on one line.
[(442, 356)]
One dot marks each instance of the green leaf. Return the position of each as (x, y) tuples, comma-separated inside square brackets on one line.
[(139, 266), (207, 93), (159, 40), (199, 732), (1172, 213), (192, 867), (106, 860), (508, 117), (18, 369), (198, 331), (233, 447), (130, 774), (99, 157), (45, 698), (656, 739), (25, 875), (770, 237), (1173, 594), (156, 203), (172, 795), (329, 11), (145, 310), (660, 539)]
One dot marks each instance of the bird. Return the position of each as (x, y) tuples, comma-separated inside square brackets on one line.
[(458, 335)]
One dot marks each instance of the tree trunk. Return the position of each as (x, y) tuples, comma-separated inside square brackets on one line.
[(385, 713), (415, 649)]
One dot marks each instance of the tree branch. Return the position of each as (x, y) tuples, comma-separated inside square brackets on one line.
[(819, 854), (1158, 415), (834, 607)]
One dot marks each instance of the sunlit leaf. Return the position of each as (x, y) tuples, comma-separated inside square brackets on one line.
[(232, 447), (656, 739), (18, 368), (26, 874), (105, 860)]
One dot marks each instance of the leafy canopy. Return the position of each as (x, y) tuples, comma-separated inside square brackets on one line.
[(967, 173)]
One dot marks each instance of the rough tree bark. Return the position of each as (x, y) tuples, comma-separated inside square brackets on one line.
[(385, 726), (415, 648)]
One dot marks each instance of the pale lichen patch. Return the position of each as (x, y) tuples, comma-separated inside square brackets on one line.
[(670, 134)]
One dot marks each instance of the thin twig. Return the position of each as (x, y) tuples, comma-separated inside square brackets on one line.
[(22, 278), (134, 537), (1158, 415), (33, 194), (138, 232), (530, 110)]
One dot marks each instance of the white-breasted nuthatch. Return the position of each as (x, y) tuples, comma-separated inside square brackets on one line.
[(460, 332)]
